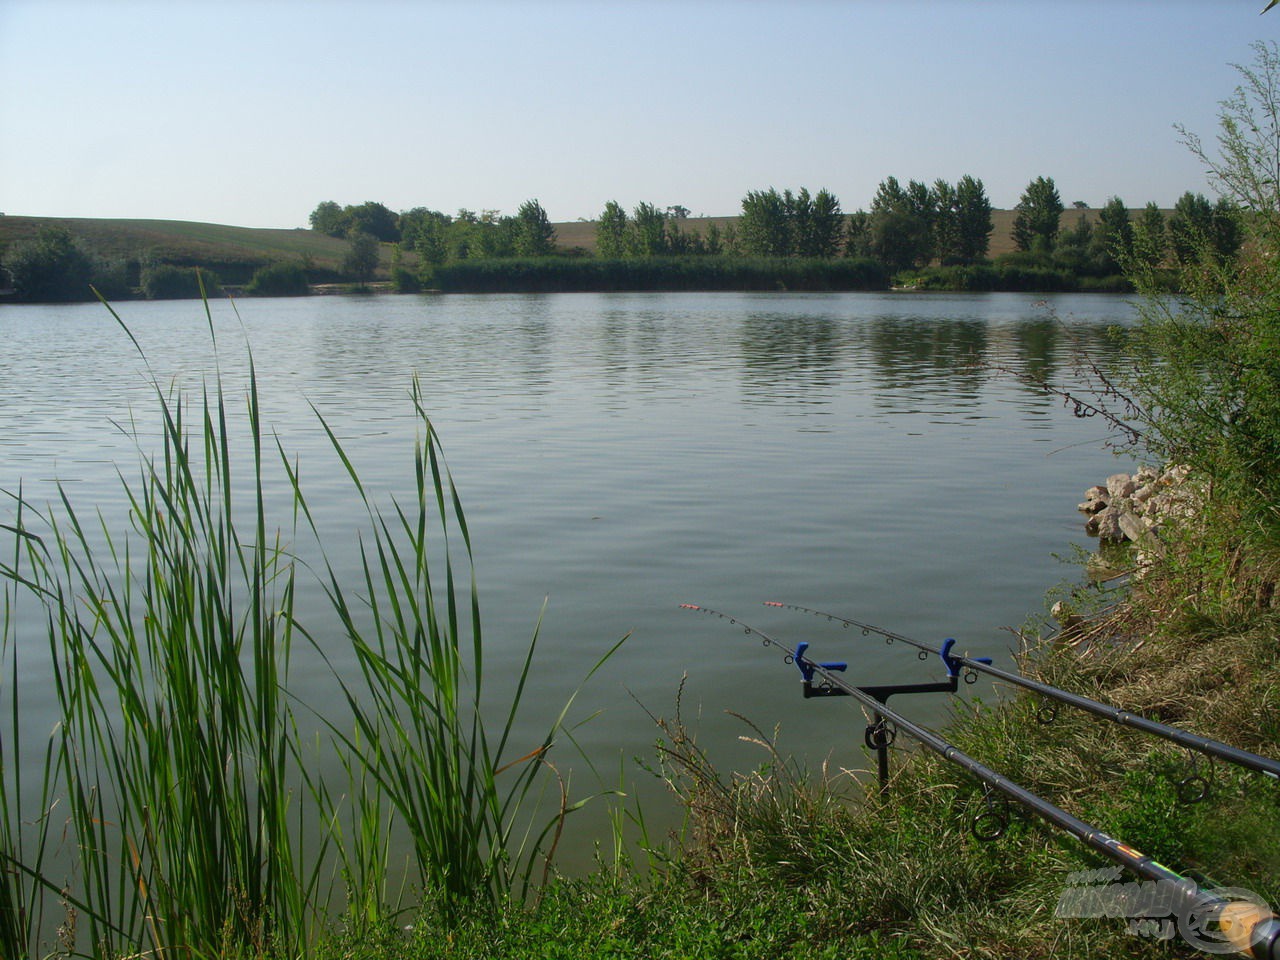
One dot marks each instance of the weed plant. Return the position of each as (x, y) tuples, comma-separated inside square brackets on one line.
[(199, 824)]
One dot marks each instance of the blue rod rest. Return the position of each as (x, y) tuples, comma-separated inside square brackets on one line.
[(805, 666), (954, 663)]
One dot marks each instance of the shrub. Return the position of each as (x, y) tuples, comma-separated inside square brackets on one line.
[(163, 281), (278, 280), (52, 268)]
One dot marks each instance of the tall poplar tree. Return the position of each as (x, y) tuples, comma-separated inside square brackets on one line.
[(1039, 212), (534, 235), (764, 228), (973, 220), (611, 231)]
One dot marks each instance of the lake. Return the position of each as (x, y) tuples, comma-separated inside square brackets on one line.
[(617, 455)]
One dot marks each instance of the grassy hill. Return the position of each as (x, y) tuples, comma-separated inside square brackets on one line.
[(231, 252), (234, 253)]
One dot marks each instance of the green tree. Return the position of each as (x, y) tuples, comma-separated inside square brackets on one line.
[(361, 260), (857, 239), (946, 224), (413, 224), (1150, 240), (647, 236), (1198, 228), (818, 224), (428, 234), (714, 240), (534, 235), (1038, 213), (900, 225), (330, 219), (611, 231), (764, 227), (51, 268), (374, 219), (1114, 240), (973, 220)]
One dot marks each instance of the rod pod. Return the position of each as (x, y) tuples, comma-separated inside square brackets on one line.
[(1251, 930), (1205, 745)]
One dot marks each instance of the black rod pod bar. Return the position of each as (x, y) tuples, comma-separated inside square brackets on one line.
[(1213, 748), (1249, 930)]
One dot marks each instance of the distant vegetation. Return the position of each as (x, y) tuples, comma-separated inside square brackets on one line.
[(942, 236)]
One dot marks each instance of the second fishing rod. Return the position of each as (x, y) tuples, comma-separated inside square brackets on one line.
[(1205, 745)]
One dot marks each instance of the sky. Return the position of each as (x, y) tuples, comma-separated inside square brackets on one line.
[(251, 113)]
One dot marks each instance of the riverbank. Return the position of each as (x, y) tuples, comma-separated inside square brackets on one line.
[(796, 862)]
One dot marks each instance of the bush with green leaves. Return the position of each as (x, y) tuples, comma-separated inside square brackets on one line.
[(163, 281), (51, 268), (279, 280), (1205, 367)]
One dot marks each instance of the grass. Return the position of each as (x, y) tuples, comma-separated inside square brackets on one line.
[(185, 243), (188, 787)]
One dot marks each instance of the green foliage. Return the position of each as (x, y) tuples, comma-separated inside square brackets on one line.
[(403, 280), (184, 783), (162, 281), (764, 227), (328, 218), (819, 224), (51, 268), (900, 226), (361, 261), (369, 217), (374, 219), (1039, 211), (279, 280), (1198, 229), (647, 232), (1206, 368), (611, 232), (535, 237), (774, 224), (971, 214), (1115, 236)]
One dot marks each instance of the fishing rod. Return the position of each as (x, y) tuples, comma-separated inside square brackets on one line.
[(1249, 928), (1205, 745)]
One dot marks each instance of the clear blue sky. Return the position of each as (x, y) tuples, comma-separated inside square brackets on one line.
[(253, 112)]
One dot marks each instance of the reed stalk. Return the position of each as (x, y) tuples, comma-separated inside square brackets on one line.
[(423, 746), (200, 824)]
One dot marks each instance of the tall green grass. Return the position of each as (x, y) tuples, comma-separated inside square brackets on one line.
[(189, 788)]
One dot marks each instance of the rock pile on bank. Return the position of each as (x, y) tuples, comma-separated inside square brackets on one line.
[(1132, 507)]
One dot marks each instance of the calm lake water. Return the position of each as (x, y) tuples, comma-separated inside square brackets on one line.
[(619, 455)]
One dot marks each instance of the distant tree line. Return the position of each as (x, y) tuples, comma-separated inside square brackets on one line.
[(936, 235), (929, 236), (433, 237), (939, 235)]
